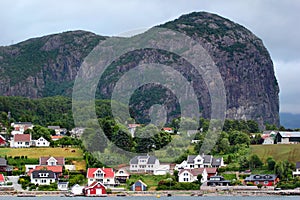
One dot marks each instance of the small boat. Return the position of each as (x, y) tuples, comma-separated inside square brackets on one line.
[(69, 195)]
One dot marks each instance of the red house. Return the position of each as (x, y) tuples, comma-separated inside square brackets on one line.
[(211, 171), (265, 180), (95, 189), (2, 141)]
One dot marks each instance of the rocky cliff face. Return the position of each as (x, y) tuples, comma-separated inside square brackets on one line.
[(47, 66)]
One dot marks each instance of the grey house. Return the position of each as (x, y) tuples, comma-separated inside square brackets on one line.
[(144, 164)]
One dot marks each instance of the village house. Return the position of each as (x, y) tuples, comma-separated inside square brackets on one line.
[(2, 141), (95, 189), (4, 167), (190, 175), (58, 130), (138, 186), (105, 176), (52, 161), (77, 190), (297, 172), (144, 164), (2, 179), (41, 142), (42, 177), (21, 127), (200, 161), (21, 141), (268, 137), (122, 175), (284, 137), (132, 128), (168, 130), (57, 170), (265, 180), (217, 181), (63, 186), (56, 137)]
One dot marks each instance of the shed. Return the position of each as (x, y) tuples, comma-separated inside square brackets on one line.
[(95, 189), (138, 186)]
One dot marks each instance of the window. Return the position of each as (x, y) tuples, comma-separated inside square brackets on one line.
[(256, 182), (185, 174), (266, 182), (185, 179)]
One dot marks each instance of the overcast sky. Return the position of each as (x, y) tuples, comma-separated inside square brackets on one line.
[(275, 22)]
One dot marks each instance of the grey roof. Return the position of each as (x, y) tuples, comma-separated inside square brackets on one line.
[(150, 159), (3, 162), (289, 134), (190, 158), (261, 177), (207, 159), (37, 174), (297, 165), (134, 160), (216, 162)]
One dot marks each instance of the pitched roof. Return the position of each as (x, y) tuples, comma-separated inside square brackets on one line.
[(2, 179), (190, 158), (108, 172), (22, 138), (261, 177), (133, 125), (194, 172), (60, 160), (207, 158), (141, 183), (2, 140), (56, 137), (3, 162), (150, 159), (211, 170), (297, 165), (38, 174), (289, 134), (93, 185), (167, 129), (55, 169), (216, 161)]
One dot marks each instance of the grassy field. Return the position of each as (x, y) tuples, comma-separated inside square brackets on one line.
[(150, 180), (290, 152), (74, 153), (38, 152)]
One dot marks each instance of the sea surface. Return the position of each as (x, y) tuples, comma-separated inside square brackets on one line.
[(163, 198)]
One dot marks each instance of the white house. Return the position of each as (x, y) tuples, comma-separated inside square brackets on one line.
[(190, 175), (105, 176), (145, 164), (21, 127), (52, 161), (297, 172), (132, 128), (20, 141), (41, 142), (200, 161), (63, 186), (162, 170), (58, 130), (122, 175), (42, 177), (77, 189)]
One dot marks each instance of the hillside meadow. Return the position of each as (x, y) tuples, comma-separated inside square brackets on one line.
[(279, 152), (75, 154)]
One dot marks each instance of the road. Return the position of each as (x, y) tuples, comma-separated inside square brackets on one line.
[(14, 180)]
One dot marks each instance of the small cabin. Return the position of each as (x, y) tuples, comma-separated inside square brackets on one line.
[(95, 189), (138, 186)]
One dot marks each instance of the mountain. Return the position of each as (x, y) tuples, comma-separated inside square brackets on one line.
[(48, 65)]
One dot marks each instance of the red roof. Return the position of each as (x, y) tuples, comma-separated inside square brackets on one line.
[(133, 125), (55, 169), (194, 172), (95, 183), (2, 179), (212, 170), (56, 137), (168, 129), (2, 140), (22, 138), (108, 172)]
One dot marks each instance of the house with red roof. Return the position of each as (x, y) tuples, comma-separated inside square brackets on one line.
[(20, 141), (58, 170), (132, 128), (211, 171), (2, 179), (168, 130), (95, 189), (105, 176), (2, 141)]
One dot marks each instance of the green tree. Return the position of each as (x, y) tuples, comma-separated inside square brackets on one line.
[(271, 163), (255, 161)]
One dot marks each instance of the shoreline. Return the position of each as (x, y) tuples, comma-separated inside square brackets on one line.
[(165, 193)]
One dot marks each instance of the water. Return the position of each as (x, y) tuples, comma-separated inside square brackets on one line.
[(154, 198)]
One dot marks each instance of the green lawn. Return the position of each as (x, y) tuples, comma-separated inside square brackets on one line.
[(150, 180), (290, 152)]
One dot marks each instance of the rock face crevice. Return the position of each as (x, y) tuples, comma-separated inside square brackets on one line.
[(47, 66)]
